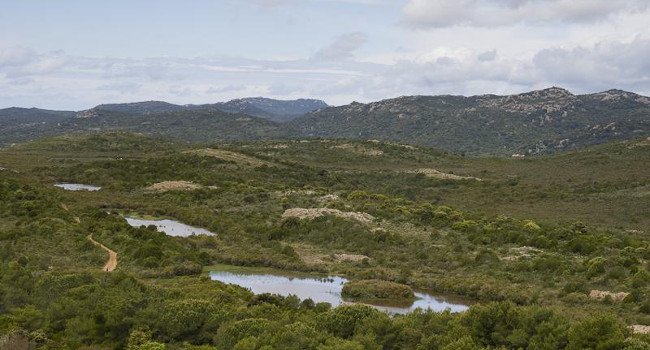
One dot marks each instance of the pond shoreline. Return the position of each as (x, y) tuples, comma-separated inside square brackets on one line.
[(321, 288), (169, 227), (77, 187)]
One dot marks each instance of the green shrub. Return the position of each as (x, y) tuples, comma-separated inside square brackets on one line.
[(377, 290)]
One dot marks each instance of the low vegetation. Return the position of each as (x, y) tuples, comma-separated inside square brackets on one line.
[(371, 290), (528, 244)]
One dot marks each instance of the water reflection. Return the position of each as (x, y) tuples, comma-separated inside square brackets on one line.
[(324, 290), (77, 187), (169, 227)]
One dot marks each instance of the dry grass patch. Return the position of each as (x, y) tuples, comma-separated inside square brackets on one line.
[(440, 175), (313, 213), (350, 257), (601, 295), (522, 252), (174, 186), (294, 192), (359, 149), (230, 156), (313, 256), (640, 329)]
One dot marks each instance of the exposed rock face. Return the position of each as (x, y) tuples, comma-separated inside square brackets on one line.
[(640, 329), (601, 295), (535, 122), (440, 175), (549, 100), (313, 213), (276, 110), (166, 186)]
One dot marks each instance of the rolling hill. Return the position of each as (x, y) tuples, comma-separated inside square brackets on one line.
[(538, 122), (266, 108)]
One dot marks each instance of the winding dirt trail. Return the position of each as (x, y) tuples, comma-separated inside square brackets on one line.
[(111, 263)]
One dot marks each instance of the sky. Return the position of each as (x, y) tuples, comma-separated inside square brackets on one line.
[(75, 54)]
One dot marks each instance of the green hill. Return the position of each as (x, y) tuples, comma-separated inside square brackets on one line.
[(551, 251), (537, 122)]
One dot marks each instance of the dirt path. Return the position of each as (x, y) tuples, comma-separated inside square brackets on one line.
[(111, 263)]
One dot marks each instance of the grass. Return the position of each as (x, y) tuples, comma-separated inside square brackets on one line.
[(463, 251)]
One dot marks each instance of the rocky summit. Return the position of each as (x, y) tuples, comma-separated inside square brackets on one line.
[(531, 123)]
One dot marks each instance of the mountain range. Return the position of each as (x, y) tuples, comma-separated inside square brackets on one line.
[(536, 122)]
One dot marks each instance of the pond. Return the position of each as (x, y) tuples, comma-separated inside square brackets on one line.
[(326, 290), (169, 227), (77, 187)]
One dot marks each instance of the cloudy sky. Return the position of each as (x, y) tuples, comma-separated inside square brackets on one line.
[(74, 54)]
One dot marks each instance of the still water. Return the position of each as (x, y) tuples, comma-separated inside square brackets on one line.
[(77, 187), (169, 227), (326, 290)]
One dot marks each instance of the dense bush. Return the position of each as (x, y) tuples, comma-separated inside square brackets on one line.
[(377, 289)]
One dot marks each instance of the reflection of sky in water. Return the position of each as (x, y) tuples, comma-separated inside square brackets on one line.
[(319, 290), (77, 187), (169, 227)]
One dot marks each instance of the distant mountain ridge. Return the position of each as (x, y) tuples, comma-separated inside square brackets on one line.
[(536, 122), (271, 109), (276, 110)]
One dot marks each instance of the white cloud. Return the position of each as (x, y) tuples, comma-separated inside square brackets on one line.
[(269, 3), (494, 13), (225, 89), (77, 82), (126, 87), (487, 55), (16, 56), (342, 48), (605, 65)]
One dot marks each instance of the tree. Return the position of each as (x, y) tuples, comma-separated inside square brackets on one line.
[(597, 333)]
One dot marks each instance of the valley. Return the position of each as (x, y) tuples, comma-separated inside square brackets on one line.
[(532, 238)]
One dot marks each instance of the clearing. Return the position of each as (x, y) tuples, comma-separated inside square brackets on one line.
[(313, 213), (230, 156), (440, 175), (174, 186)]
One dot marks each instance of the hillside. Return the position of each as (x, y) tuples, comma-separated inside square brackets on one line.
[(542, 250), (147, 107), (275, 110), (543, 121), (266, 108), (533, 123), (21, 124), (196, 126)]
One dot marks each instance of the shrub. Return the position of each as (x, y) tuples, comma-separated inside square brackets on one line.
[(377, 289)]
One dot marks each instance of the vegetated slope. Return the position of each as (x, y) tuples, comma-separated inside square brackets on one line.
[(28, 123), (534, 278), (241, 119), (536, 122), (109, 142), (276, 110), (147, 107), (605, 184), (32, 115), (193, 126)]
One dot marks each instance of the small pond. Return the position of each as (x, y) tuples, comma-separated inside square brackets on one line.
[(77, 187), (169, 227), (326, 290)]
